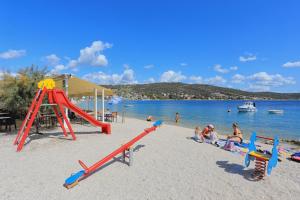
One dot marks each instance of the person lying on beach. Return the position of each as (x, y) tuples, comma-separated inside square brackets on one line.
[(237, 134), (149, 118)]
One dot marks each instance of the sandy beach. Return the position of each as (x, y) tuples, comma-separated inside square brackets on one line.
[(166, 165)]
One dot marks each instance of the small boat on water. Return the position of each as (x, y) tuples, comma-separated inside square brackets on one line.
[(129, 105), (247, 107), (275, 111)]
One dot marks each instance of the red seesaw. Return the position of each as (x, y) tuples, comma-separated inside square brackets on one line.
[(75, 178)]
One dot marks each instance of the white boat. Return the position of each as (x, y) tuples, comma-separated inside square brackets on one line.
[(247, 107), (129, 105), (275, 111)]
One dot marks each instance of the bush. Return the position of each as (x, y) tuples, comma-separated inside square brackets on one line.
[(17, 91)]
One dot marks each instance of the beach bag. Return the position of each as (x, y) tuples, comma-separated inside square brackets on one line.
[(229, 146), (296, 157)]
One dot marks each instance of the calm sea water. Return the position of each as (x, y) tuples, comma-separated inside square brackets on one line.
[(201, 113)]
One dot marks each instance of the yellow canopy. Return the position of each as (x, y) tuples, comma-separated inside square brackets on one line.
[(78, 87)]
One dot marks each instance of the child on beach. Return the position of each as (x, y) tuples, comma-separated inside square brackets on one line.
[(149, 118), (177, 118), (197, 134)]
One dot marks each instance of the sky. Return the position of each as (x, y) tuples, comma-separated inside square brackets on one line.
[(251, 45)]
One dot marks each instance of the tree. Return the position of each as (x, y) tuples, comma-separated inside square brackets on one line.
[(17, 91)]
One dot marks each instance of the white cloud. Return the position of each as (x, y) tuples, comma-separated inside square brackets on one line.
[(126, 66), (52, 59), (196, 79), (10, 54), (265, 79), (218, 68), (183, 64), (150, 80), (291, 64), (238, 78), (217, 80), (58, 68), (234, 68), (259, 88), (72, 63), (247, 58), (3, 73), (127, 77), (262, 81), (171, 76), (92, 55), (149, 66)]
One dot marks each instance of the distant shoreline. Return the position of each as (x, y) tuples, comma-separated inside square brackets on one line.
[(212, 99), (284, 140)]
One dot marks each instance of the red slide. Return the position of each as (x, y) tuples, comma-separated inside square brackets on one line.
[(59, 97)]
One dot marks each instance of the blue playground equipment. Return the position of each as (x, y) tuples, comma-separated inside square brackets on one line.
[(263, 162)]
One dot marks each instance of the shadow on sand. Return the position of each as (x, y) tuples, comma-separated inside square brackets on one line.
[(194, 139), (115, 159), (237, 169), (56, 135)]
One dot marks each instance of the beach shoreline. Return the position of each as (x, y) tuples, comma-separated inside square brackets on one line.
[(222, 134), (167, 165)]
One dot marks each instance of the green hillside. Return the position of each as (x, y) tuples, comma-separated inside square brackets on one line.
[(192, 91)]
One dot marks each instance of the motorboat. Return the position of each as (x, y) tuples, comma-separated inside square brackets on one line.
[(247, 107), (275, 111)]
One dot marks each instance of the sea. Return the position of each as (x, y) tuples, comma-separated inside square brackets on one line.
[(202, 112)]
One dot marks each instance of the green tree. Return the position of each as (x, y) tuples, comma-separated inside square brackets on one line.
[(17, 91)]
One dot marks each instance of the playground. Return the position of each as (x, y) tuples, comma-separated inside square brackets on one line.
[(166, 165)]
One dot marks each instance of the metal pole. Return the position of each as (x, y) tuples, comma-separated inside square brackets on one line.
[(96, 105), (130, 156), (103, 106), (66, 80), (123, 114)]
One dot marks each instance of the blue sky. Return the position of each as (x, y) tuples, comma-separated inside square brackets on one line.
[(251, 45)]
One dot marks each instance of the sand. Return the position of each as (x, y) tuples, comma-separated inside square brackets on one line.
[(166, 165)]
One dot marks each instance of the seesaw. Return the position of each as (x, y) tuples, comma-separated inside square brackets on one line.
[(75, 178), (263, 162)]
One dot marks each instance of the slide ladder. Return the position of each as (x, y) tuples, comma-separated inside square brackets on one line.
[(29, 119), (58, 101)]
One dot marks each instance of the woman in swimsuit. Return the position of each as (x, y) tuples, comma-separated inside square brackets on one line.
[(237, 134)]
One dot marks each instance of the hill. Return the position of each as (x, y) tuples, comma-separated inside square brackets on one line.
[(191, 91)]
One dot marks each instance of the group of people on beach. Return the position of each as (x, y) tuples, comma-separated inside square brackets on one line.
[(209, 134)]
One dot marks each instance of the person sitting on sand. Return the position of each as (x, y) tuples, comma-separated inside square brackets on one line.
[(209, 134), (205, 134), (197, 134), (149, 118), (177, 117), (237, 134)]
